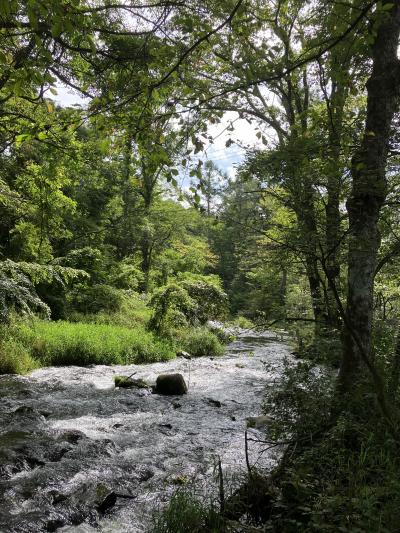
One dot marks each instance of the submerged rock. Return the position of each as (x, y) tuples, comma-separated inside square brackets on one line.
[(129, 383), (109, 501), (171, 385), (258, 422), (214, 403), (183, 354)]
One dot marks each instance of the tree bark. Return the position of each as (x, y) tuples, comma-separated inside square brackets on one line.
[(367, 196)]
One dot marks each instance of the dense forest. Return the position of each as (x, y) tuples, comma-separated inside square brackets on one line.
[(127, 238)]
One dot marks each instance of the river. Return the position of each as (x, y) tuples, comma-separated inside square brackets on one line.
[(69, 437)]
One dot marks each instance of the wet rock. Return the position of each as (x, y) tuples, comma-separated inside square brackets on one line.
[(258, 422), (146, 475), (179, 480), (214, 403), (72, 436), (56, 497), (109, 501), (176, 405), (171, 385), (183, 354), (26, 410), (167, 426), (129, 383), (53, 525)]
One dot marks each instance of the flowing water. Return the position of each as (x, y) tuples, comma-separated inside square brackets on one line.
[(69, 438)]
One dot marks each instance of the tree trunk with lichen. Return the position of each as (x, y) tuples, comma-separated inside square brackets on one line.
[(367, 196)]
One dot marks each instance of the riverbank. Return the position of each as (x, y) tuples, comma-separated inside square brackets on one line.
[(26, 345)]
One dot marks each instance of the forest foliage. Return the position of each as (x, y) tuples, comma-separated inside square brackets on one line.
[(120, 239)]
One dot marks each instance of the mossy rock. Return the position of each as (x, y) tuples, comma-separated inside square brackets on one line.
[(258, 422), (124, 382)]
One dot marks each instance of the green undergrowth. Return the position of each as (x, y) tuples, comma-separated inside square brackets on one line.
[(14, 356), (66, 343), (342, 474), (200, 342), (133, 312), (27, 345), (186, 513)]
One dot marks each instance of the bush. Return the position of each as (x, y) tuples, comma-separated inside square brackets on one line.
[(211, 300), (184, 514), (64, 343), (133, 312), (172, 306), (200, 342), (243, 322), (14, 357), (193, 301), (224, 335), (95, 298)]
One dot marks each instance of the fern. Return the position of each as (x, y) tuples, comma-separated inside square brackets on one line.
[(17, 286)]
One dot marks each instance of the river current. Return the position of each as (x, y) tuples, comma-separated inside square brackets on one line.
[(69, 439)]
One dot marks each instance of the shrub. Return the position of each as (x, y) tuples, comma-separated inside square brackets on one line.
[(65, 343), (193, 301), (133, 312), (185, 513), (95, 298), (243, 322), (14, 357), (18, 282), (200, 342), (171, 304), (211, 300), (224, 335)]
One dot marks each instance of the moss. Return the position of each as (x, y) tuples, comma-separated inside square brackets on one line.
[(125, 382)]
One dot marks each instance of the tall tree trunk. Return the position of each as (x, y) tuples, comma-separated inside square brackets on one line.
[(367, 196), (333, 227), (305, 213), (146, 244), (338, 67)]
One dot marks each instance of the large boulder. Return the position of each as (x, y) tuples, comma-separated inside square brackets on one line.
[(171, 384)]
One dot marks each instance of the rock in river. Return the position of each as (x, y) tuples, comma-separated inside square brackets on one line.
[(129, 383), (171, 384), (183, 354)]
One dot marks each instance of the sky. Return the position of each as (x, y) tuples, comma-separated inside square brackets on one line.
[(226, 158)]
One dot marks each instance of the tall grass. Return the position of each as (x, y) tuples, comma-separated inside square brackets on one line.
[(65, 343), (14, 356), (133, 312), (200, 342), (187, 514)]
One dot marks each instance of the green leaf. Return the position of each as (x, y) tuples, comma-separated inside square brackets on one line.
[(91, 44)]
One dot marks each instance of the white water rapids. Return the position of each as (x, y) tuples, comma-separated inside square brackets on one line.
[(68, 437)]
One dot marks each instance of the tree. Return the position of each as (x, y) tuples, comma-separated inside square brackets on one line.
[(369, 189)]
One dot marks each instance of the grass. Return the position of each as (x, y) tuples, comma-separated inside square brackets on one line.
[(184, 514), (14, 356), (67, 343), (200, 342), (133, 312)]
